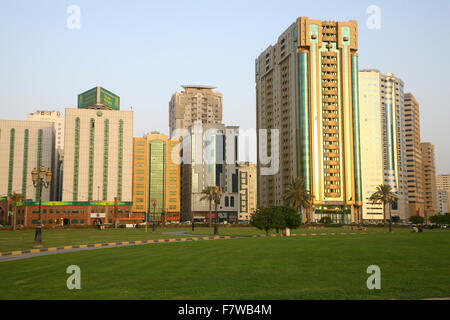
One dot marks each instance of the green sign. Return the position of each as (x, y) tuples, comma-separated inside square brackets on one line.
[(98, 96), (109, 99), (87, 98)]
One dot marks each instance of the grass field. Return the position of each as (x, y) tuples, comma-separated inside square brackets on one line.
[(413, 266), (24, 239)]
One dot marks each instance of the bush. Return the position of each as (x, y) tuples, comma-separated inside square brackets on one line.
[(275, 218), (325, 220), (416, 219), (440, 218)]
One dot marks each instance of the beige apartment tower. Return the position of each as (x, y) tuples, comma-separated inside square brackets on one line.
[(443, 182), (429, 178), (247, 190), (307, 99), (414, 166), (195, 103)]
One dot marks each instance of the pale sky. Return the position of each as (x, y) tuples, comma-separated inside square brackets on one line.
[(145, 50)]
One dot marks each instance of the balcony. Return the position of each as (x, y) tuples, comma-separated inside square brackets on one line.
[(331, 162), (331, 170)]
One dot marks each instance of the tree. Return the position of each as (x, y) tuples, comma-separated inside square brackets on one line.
[(385, 196), (298, 197), (440, 218), (15, 197), (217, 197), (325, 220), (289, 217), (416, 219), (208, 194), (266, 219)]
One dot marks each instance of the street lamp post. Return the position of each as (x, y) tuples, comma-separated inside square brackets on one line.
[(41, 179), (154, 213)]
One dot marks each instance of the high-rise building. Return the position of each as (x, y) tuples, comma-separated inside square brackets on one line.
[(58, 123), (195, 103), (414, 166), (210, 159), (443, 201), (98, 150), (443, 182), (429, 178), (156, 177), (25, 145), (307, 89), (56, 118), (247, 190), (394, 141), (371, 141)]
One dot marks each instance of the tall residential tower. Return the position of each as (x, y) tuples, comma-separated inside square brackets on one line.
[(307, 89), (195, 103)]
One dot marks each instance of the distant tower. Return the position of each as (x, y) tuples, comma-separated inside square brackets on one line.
[(195, 103)]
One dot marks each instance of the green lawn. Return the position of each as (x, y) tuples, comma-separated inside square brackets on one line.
[(413, 265), (24, 239)]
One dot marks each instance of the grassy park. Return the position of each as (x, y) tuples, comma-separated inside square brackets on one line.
[(413, 266), (24, 239)]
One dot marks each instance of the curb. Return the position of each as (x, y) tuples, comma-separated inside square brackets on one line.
[(111, 244)]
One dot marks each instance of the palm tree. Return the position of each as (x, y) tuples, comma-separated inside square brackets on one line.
[(217, 198), (298, 197), (15, 197), (385, 196), (208, 194)]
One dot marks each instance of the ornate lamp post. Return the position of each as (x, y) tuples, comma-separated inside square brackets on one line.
[(154, 213), (41, 179)]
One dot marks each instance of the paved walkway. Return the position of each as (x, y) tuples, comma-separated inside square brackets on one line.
[(23, 254)]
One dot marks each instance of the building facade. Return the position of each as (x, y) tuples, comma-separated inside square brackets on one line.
[(371, 141), (394, 141), (25, 145), (156, 177), (307, 90), (247, 190), (414, 166), (429, 178), (443, 182), (98, 155), (443, 201), (73, 213), (58, 121), (210, 159), (195, 103)]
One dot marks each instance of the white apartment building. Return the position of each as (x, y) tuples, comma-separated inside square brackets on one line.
[(98, 155), (25, 145), (371, 141), (54, 117)]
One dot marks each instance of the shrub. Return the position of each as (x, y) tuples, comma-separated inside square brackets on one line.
[(416, 219), (325, 220)]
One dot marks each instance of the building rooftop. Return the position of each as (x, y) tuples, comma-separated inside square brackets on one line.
[(197, 87)]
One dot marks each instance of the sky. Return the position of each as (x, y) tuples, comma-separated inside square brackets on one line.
[(145, 50)]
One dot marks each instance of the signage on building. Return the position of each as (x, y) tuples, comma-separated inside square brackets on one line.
[(98, 215), (98, 96)]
